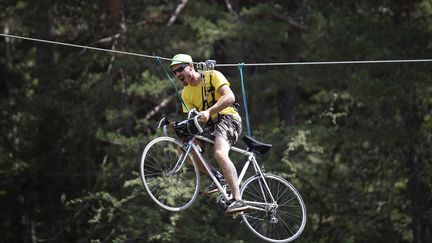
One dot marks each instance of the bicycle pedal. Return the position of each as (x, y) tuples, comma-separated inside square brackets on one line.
[(235, 215)]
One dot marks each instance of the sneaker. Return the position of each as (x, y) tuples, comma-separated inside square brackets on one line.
[(236, 206), (213, 188)]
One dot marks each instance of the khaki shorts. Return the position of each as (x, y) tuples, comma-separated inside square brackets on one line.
[(229, 127)]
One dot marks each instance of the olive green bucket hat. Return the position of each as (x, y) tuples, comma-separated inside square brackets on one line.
[(181, 58)]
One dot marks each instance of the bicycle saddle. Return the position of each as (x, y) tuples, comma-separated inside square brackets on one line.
[(256, 146)]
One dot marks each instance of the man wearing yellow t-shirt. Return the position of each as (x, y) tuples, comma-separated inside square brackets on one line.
[(211, 94)]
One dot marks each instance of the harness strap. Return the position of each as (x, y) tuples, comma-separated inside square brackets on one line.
[(212, 91), (205, 103)]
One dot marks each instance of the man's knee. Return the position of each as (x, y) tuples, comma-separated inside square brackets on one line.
[(221, 156)]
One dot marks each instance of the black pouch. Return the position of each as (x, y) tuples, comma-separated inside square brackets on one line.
[(236, 106), (186, 128)]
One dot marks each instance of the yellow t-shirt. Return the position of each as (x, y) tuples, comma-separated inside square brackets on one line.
[(194, 96)]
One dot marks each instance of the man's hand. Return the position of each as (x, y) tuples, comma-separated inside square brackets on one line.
[(205, 116)]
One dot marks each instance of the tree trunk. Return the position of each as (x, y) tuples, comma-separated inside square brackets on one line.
[(119, 27), (417, 187), (287, 104), (43, 26)]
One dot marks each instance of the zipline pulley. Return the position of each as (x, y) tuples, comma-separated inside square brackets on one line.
[(207, 66)]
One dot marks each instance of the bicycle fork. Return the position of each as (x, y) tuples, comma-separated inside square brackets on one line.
[(181, 160)]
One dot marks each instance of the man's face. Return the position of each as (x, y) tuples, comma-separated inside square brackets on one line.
[(182, 71)]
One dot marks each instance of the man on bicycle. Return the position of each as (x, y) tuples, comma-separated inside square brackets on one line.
[(210, 93)]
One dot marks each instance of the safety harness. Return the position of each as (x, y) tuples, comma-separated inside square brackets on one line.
[(205, 103)]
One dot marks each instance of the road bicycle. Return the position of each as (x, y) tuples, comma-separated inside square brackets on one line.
[(171, 177)]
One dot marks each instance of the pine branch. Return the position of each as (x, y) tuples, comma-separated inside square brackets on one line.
[(176, 13)]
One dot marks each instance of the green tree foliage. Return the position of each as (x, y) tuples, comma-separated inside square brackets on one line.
[(354, 139)]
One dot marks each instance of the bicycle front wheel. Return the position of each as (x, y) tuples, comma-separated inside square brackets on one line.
[(169, 175), (277, 212)]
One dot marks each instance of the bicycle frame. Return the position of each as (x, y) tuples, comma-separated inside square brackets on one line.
[(191, 146)]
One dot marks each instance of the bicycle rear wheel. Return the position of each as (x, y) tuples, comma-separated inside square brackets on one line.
[(170, 179), (281, 220)]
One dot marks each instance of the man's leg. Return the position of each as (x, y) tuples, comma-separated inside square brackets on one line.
[(195, 158), (222, 148), (212, 188)]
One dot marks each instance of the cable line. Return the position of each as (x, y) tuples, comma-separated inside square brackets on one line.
[(245, 103), (326, 63), (84, 47), (229, 64)]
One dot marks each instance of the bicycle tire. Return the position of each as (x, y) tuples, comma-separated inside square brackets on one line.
[(283, 224), (171, 188)]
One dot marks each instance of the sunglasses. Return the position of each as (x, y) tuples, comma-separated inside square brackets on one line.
[(180, 69)]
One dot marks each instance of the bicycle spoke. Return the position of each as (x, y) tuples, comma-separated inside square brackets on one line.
[(291, 215)]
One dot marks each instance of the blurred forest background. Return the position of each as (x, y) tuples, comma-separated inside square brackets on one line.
[(356, 140)]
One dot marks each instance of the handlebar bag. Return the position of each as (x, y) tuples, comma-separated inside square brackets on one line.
[(185, 128)]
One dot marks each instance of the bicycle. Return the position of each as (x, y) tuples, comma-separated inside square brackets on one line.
[(276, 211)]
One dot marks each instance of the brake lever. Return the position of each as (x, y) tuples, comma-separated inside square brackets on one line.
[(195, 118), (164, 122), (197, 123)]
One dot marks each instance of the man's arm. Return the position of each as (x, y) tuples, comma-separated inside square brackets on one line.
[(227, 98)]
